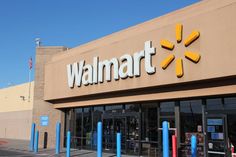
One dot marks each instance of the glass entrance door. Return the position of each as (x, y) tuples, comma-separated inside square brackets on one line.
[(217, 135), (111, 126), (128, 126), (108, 127), (132, 135)]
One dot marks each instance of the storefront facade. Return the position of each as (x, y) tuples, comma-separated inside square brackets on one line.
[(178, 67), (141, 124)]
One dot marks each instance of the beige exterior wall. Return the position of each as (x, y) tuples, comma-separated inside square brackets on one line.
[(17, 98), (16, 111), (214, 19), (16, 124)]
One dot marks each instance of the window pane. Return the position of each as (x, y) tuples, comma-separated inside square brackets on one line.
[(215, 104), (149, 122), (167, 108), (97, 116), (87, 128), (132, 108), (114, 108), (230, 103), (191, 119), (78, 128), (78, 112)]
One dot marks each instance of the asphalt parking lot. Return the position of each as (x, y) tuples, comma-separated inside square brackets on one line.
[(9, 153)]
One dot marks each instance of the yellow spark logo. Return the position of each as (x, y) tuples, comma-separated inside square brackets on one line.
[(192, 56)]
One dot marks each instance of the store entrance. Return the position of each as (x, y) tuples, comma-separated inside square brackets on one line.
[(217, 135), (110, 127), (125, 123)]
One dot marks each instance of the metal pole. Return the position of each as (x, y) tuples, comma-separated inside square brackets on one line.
[(165, 135), (99, 140), (36, 144), (32, 137), (118, 144), (194, 146), (29, 84), (58, 134), (68, 145)]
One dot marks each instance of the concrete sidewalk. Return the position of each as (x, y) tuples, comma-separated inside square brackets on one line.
[(22, 146)]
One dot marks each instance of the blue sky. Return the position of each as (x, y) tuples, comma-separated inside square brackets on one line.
[(65, 23)]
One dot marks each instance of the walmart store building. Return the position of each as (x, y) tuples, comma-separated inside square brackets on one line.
[(179, 67)]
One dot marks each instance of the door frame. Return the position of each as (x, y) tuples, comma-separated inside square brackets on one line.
[(225, 130), (123, 115), (113, 118)]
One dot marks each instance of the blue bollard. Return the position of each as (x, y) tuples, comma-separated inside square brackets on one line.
[(99, 140), (36, 144), (165, 134), (58, 134), (68, 145), (118, 145), (194, 146), (32, 137)]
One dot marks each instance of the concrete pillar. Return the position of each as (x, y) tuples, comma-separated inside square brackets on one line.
[(41, 107)]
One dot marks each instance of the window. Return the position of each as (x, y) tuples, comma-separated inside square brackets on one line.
[(191, 120), (230, 103), (149, 129), (114, 108), (97, 116), (132, 107), (149, 122), (78, 128), (78, 112), (167, 108), (87, 127), (215, 104)]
